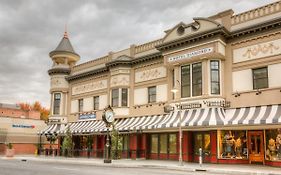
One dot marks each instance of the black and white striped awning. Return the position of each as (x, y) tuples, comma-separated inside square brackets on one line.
[(189, 118), (256, 115), (53, 129)]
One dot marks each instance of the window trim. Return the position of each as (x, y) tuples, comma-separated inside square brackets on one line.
[(59, 104), (80, 107), (253, 77), (116, 98), (123, 104), (94, 102), (192, 77), (148, 95), (219, 77)]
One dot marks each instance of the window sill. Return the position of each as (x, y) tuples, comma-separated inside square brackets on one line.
[(255, 91)]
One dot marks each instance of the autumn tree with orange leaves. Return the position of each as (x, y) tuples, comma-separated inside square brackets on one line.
[(36, 106)]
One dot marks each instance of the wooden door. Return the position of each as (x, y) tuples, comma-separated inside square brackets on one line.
[(256, 148)]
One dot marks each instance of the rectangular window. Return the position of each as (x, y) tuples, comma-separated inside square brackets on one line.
[(260, 78), (57, 98), (185, 81), (152, 94), (80, 105), (154, 143), (215, 77), (115, 97), (233, 144), (124, 101), (125, 142), (173, 143), (196, 79), (96, 103), (163, 143)]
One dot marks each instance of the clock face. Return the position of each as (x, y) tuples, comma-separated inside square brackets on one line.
[(109, 116)]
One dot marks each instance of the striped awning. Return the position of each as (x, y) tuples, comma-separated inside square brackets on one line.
[(53, 128), (188, 118), (270, 114)]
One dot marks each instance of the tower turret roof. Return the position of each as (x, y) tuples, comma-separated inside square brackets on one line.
[(64, 46)]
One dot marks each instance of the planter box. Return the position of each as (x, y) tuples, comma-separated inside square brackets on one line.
[(10, 152)]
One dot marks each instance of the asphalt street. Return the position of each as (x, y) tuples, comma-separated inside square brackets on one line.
[(18, 167)]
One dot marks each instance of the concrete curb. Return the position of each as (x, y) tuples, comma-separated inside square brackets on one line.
[(116, 164)]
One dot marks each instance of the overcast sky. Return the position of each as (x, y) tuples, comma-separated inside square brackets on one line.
[(30, 29)]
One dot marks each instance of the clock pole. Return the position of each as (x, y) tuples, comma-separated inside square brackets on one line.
[(107, 147), (108, 118)]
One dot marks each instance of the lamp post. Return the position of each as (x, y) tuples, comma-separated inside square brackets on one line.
[(175, 90)]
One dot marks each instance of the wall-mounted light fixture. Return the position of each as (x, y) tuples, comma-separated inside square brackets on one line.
[(236, 94), (258, 92)]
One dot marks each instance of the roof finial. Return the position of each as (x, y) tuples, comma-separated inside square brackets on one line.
[(65, 31)]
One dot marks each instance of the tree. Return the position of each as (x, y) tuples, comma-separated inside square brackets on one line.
[(67, 143), (116, 144), (36, 106)]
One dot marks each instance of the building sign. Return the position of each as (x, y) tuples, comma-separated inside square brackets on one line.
[(191, 54), (23, 126), (87, 116), (219, 103), (191, 105)]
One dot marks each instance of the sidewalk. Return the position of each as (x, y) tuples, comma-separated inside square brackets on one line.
[(160, 164)]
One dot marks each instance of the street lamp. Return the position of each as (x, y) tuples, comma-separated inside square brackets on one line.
[(175, 90)]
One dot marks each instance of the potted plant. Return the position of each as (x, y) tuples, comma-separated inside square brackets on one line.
[(10, 152)]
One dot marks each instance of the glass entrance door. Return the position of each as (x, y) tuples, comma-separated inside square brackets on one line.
[(202, 140), (256, 150)]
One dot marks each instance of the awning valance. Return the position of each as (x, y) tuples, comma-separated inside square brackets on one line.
[(189, 118), (270, 114), (53, 129)]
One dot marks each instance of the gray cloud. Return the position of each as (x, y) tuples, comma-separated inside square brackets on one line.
[(30, 29)]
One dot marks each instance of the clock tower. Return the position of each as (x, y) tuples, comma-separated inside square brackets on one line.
[(64, 58)]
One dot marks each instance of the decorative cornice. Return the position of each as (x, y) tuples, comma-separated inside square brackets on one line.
[(86, 74), (59, 71), (193, 38), (147, 58), (265, 26), (117, 62)]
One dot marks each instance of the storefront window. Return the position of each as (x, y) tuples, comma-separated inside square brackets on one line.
[(125, 142), (154, 143), (273, 145), (172, 143), (233, 144), (163, 143)]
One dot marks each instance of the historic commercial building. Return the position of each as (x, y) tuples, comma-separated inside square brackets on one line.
[(224, 71), (19, 128)]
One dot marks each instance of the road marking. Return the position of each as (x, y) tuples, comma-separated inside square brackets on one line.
[(62, 168)]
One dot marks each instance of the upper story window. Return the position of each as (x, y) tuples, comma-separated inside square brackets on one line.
[(80, 105), (96, 103), (114, 97), (124, 98), (152, 94), (260, 78), (197, 79), (185, 81), (57, 99), (191, 80), (215, 76)]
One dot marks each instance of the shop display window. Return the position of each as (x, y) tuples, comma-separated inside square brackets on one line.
[(273, 145), (232, 144), (172, 143), (154, 143), (163, 143)]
